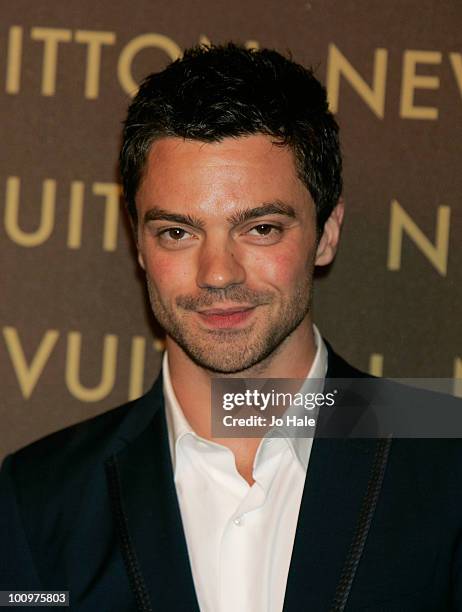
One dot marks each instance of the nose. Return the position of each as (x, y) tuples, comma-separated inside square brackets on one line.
[(219, 265)]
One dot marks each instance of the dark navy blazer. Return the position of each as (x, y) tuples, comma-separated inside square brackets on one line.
[(93, 510)]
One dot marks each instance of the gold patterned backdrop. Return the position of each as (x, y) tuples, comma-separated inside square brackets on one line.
[(77, 338)]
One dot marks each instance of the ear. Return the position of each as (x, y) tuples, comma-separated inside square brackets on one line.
[(141, 260), (136, 237), (327, 246)]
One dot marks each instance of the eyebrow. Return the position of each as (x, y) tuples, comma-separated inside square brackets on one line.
[(160, 214), (268, 208), (241, 216)]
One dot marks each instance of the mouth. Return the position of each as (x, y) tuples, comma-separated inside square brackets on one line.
[(226, 318)]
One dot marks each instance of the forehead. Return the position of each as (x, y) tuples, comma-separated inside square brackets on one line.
[(187, 173)]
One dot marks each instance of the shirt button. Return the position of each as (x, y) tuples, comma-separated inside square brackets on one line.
[(237, 521)]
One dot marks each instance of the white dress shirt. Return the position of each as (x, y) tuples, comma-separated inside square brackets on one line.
[(239, 537)]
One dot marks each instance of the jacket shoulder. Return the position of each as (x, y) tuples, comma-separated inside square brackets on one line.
[(438, 443), (59, 455), (67, 455)]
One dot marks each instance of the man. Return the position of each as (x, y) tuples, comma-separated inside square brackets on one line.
[(232, 175)]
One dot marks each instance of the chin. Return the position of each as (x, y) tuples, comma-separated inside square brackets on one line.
[(219, 365), (228, 358)]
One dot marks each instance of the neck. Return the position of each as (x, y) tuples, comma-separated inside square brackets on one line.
[(192, 383)]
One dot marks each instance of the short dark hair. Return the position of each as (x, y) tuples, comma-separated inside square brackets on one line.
[(214, 92)]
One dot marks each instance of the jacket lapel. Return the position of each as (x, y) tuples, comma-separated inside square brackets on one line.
[(148, 519), (339, 477), (337, 480)]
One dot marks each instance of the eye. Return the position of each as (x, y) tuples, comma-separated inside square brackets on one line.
[(263, 229), (264, 234), (174, 234), (174, 237)]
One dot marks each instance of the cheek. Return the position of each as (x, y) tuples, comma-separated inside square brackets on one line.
[(281, 269), (170, 273)]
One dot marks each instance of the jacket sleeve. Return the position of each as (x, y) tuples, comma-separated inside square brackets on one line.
[(457, 576), (17, 570)]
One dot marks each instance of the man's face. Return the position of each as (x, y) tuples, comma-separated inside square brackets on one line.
[(227, 237)]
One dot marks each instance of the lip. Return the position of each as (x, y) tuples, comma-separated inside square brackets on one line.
[(225, 311), (226, 318)]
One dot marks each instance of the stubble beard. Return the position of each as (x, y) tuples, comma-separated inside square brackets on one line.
[(232, 351)]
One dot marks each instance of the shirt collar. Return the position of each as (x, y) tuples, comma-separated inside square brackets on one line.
[(178, 426), (301, 447)]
